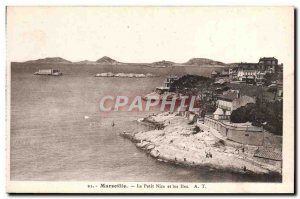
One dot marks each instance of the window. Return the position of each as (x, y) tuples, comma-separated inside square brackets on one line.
[(247, 135)]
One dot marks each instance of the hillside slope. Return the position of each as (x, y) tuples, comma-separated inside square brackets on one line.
[(204, 61), (106, 60), (50, 60)]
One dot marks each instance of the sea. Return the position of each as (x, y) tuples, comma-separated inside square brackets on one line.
[(58, 132)]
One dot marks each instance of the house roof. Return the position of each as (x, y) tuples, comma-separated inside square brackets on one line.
[(229, 96), (267, 58), (172, 77), (267, 154), (162, 88), (219, 112), (224, 72), (220, 81), (248, 66)]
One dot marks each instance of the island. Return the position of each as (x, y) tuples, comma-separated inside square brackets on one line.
[(129, 75)]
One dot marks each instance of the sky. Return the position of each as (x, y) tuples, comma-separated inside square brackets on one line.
[(148, 34)]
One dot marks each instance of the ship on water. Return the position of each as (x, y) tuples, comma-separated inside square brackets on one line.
[(51, 72)]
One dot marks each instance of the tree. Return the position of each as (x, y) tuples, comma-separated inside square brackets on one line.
[(266, 114), (269, 77)]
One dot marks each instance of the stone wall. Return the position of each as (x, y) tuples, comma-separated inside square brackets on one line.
[(243, 135)]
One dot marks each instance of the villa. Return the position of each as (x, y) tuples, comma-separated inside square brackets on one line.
[(255, 72), (229, 101)]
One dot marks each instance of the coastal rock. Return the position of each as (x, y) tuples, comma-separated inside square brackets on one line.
[(176, 143), (150, 147), (142, 144)]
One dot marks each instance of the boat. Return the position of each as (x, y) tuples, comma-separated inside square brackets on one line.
[(51, 72)]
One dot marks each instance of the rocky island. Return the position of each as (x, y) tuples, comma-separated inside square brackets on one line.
[(130, 75)]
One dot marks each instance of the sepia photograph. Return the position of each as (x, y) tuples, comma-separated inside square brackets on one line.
[(149, 99)]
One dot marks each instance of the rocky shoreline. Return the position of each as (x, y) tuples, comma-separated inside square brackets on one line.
[(175, 140)]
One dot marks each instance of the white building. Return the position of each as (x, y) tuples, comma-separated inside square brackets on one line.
[(247, 71), (228, 102), (256, 72)]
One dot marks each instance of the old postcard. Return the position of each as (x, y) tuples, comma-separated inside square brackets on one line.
[(150, 100)]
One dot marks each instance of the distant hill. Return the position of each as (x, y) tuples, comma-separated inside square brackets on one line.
[(50, 60), (159, 64), (85, 62), (233, 64), (162, 63), (106, 60), (204, 61)]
